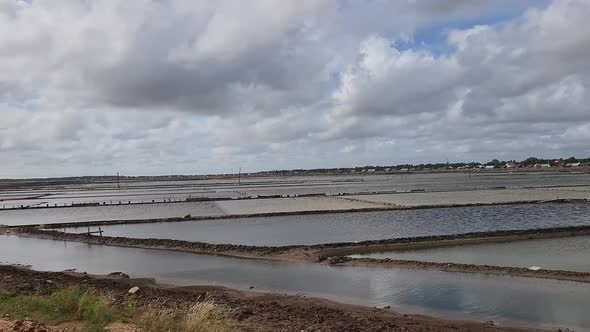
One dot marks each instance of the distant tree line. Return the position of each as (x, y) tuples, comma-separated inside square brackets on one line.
[(529, 162)]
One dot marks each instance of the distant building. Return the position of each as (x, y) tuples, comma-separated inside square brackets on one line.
[(489, 167), (510, 165), (573, 164), (542, 165), (371, 170)]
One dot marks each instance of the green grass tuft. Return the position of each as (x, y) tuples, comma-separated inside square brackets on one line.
[(201, 317), (95, 311), (66, 305)]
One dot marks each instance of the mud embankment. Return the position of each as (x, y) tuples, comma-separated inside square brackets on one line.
[(233, 250), (463, 268), (334, 253), (427, 242), (197, 218)]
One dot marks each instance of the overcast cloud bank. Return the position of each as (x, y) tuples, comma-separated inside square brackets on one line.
[(147, 87)]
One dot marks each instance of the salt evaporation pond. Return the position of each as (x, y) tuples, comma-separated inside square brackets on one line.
[(360, 226), (138, 191), (115, 212), (570, 254), (505, 300)]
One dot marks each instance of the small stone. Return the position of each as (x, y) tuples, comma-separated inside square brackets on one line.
[(133, 290), (118, 275)]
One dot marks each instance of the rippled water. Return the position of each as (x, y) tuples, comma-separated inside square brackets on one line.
[(572, 253), (360, 226), (533, 302)]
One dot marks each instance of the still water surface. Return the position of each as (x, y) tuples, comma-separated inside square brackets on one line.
[(571, 254), (115, 212), (520, 301), (360, 226), (137, 191)]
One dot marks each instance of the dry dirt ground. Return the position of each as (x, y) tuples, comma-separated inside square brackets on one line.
[(8, 325)]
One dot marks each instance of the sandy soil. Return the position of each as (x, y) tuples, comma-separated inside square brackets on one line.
[(24, 326), (253, 311), (7, 325)]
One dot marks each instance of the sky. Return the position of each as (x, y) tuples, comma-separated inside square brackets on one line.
[(146, 87)]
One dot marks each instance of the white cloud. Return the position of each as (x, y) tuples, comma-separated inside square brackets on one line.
[(88, 87)]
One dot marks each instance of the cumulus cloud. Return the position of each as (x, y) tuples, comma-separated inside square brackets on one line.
[(94, 86), (503, 80)]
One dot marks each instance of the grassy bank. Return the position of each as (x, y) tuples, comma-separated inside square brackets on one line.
[(94, 312)]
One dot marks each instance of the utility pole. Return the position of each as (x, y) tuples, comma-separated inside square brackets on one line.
[(118, 183), (239, 176)]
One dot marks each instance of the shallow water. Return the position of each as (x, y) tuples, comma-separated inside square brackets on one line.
[(137, 191), (571, 254), (360, 226), (520, 301), (116, 212), (476, 197)]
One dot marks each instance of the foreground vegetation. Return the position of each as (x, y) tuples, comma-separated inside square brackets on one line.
[(94, 312)]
